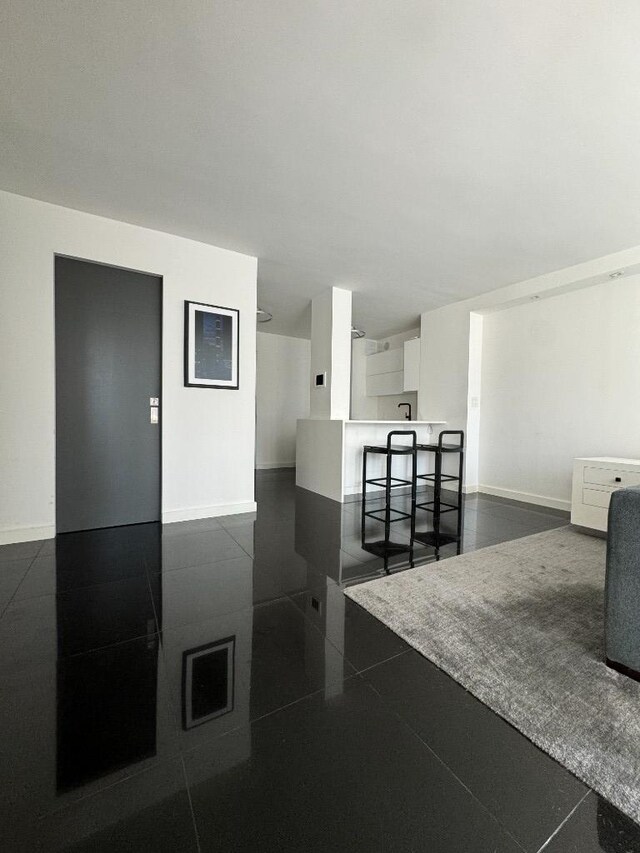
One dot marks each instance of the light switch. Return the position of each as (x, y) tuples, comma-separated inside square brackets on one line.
[(154, 415)]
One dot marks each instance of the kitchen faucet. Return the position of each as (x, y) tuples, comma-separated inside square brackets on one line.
[(407, 414)]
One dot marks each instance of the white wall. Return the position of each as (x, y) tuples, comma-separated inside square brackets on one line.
[(444, 365), (331, 353), (399, 339), (208, 435), (321, 324), (560, 379), (282, 396), (451, 348), (341, 354), (388, 406), (474, 398)]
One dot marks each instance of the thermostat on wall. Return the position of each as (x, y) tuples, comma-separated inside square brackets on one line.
[(321, 380)]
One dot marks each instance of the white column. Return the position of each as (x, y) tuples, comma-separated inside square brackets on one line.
[(331, 354)]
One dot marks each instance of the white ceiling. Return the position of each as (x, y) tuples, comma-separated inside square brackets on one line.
[(414, 152)]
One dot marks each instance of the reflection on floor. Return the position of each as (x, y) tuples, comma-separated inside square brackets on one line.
[(207, 686)]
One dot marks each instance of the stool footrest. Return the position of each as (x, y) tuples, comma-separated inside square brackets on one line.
[(394, 450), (394, 481), (432, 477), (430, 506), (380, 515)]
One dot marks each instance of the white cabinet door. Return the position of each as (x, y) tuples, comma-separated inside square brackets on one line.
[(383, 384), (387, 361), (411, 365)]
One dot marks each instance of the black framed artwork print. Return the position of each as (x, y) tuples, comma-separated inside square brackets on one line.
[(207, 682), (211, 347)]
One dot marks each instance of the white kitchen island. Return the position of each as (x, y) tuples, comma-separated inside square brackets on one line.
[(329, 452)]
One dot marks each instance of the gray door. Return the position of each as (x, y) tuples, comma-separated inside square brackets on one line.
[(108, 366)]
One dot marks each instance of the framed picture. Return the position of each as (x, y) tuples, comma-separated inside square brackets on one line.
[(207, 682), (211, 346)]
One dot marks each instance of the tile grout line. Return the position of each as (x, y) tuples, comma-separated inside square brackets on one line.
[(564, 822), (250, 723), (240, 545), (171, 698), (242, 556), (191, 809), (381, 662), (44, 815), (356, 671), (15, 592), (448, 769)]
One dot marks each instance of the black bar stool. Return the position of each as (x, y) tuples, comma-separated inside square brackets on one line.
[(385, 548), (435, 538)]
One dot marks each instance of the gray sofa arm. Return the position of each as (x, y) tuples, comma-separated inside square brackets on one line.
[(622, 586)]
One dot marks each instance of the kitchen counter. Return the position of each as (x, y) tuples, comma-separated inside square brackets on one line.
[(397, 421), (329, 452)]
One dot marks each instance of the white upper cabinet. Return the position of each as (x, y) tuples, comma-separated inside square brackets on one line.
[(387, 361), (385, 384), (394, 371), (385, 374), (411, 365)]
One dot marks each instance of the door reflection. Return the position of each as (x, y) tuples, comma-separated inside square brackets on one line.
[(107, 664)]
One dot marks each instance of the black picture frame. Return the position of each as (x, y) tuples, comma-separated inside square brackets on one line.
[(211, 346), (208, 682)]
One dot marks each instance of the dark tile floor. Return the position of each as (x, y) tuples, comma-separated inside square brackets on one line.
[(207, 686)]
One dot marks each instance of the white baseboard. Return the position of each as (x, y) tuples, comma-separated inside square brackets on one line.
[(264, 466), (525, 497), (26, 534), (195, 512)]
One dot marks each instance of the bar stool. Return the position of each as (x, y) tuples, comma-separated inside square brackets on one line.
[(385, 548), (435, 538)]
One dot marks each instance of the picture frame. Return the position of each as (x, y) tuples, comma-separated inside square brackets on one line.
[(208, 682), (211, 346)]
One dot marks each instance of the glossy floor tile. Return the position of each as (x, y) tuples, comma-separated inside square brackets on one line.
[(527, 790), (596, 827), (362, 639), (149, 811), (337, 771), (278, 658), (206, 685), (12, 573)]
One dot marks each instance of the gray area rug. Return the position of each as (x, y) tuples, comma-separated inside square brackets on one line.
[(520, 625)]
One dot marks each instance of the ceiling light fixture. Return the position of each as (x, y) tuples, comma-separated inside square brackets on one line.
[(263, 316), (616, 274), (357, 333)]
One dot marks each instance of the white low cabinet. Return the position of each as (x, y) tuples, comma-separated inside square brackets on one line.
[(594, 479)]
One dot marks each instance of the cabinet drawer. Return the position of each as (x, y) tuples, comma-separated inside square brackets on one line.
[(610, 477), (593, 497)]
